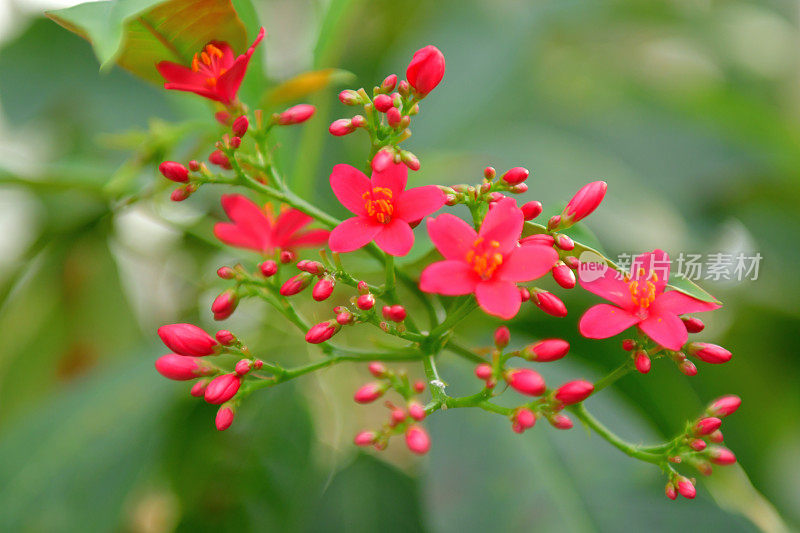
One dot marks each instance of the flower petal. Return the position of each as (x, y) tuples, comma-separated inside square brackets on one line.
[(349, 185), (229, 82), (452, 236), (503, 223), (499, 298), (666, 329), (396, 238), (415, 204), (312, 237), (604, 320), (249, 218), (610, 285), (289, 222), (392, 177), (353, 233), (196, 89), (451, 278), (655, 262), (233, 235), (678, 303), (175, 73), (526, 263)]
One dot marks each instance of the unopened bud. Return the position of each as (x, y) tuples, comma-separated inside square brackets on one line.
[(531, 210), (224, 417), (539, 238), (693, 325), (687, 368), (296, 114), (349, 97), (417, 440), (225, 304), (409, 160), (365, 438), (322, 332), (287, 256), (671, 491), (388, 83), (502, 336), (395, 313), (225, 337), (698, 445), (187, 339), (584, 202), (174, 171), (323, 289), (296, 284), (686, 488), (560, 421), (526, 381), (710, 353), (564, 242), (716, 437), (242, 367), (377, 369), (393, 117), (706, 425), (549, 303), (416, 411), (563, 275), (524, 294), (554, 222), (574, 392), (269, 268), (344, 317), (369, 393), (383, 102), (180, 194), (515, 175), (525, 418), (546, 350), (382, 159), (484, 371), (724, 406), (226, 272), (340, 127), (419, 386), (183, 368), (365, 302), (628, 345), (199, 388), (642, 361), (222, 388), (218, 158), (240, 126)]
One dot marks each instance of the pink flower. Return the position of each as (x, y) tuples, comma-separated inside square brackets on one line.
[(640, 300), (383, 207), (426, 69), (488, 263), (215, 73), (258, 229)]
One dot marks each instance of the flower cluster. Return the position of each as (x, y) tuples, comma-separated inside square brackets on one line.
[(486, 257)]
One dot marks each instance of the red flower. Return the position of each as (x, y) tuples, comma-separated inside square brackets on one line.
[(640, 300), (383, 207), (426, 69), (488, 263), (215, 72), (258, 229)]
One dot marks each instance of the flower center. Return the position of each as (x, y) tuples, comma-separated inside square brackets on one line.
[(643, 291), (378, 203), (484, 257), (208, 64)]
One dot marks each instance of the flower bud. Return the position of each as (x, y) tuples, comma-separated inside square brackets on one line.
[(693, 325), (358, 121), (365, 302), (560, 421), (495, 197), (222, 388), (549, 303), (515, 175), (484, 371), (395, 313), (180, 194), (710, 353), (417, 440), (296, 114), (218, 158), (344, 317), (426, 70), (546, 350), (369, 392), (564, 275), (382, 159), (724, 406), (564, 242), (393, 117), (224, 417), (183, 368), (539, 238), (383, 102), (269, 268), (287, 256), (403, 88), (716, 437), (174, 171), (223, 117), (387, 85), (225, 337), (554, 222), (199, 388), (349, 97), (686, 488), (377, 369), (396, 417), (409, 160), (583, 203), (365, 438), (323, 289), (525, 418), (340, 127), (526, 381), (225, 304), (416, 411), (524, 294), (419, 386), (296, 284), (531, 210), (628, 345), (574, 391), (187, 339), (706, 425), (501, 337), (242, 367), (519, 188), (642, 361), (362, 287), (226, 272), (670, 491), (322, 331), (697, 445), (572, 262), (240, 126), (688, 368)]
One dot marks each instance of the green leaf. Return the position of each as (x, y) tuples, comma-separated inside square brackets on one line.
[(306, 84), (137, 34), (681, 283)]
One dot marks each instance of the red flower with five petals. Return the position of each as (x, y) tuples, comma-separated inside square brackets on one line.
[(215, 73), (258, 229), (488, 263), (384, 209), (640, 300)]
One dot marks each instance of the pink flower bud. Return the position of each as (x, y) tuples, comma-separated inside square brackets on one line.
[(199, 388), (546, 350), (224, 417), (236, 142), (183, 368), (296, 284), (526, 381), (495, 197), (716, 437), (358, 121), (180, 194), (531, 210), (389, 82), (688, 368), (296, 114), (323, 289), (554, 222), (484, 371), (194, 165), (501, 337), (572, 262), (524, 294), (515, 175), (409, 160), (416, 411), (693, 325), (258, 364), (686, 488), (397, 416), (187, 339), (369, 393), (539, 238), (240, 126), (226, 272), (242, 367), (574, 391), (344, 317), (417, 440), (383, 102), (287, 256), (564, 242), (628, 345), (419, 386), (698, 445), (365, 438), (642, 361), (560, 421), (340, 127), (670, 491), (707, 425), (519, 188), (525, 417), (222, 388), (322, 331), (349, 97), (225, 304), (564, 275), (218, 158), (174, 171), (724, 406), (382, 159), (549, 303), (362, 287), (377, 369), (225, 337), (426, 69), (269, 268), (710, 353), (393, 117), (365, 302), (584, 202)]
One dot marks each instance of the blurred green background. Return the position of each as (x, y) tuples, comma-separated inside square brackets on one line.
[(689, 109)]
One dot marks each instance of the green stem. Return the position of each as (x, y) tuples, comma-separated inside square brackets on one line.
[(625, 447), (616, 374)]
